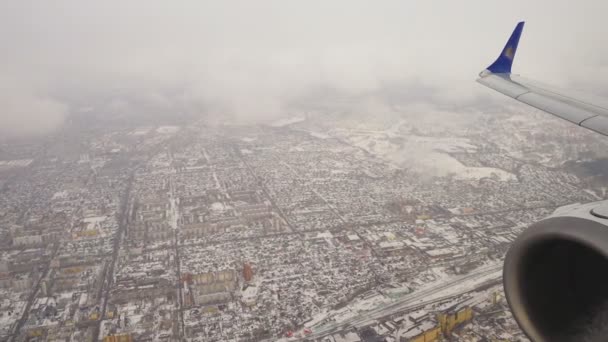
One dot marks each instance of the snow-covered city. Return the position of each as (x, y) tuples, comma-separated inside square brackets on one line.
[(303, 171), (315, 228)]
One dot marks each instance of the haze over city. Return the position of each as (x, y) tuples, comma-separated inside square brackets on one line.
[(256, 61), (282, 170)]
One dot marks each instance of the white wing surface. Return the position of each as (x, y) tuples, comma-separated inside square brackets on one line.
[(580, 110)]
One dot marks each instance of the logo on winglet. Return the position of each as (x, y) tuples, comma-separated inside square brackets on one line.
[(509, 52)]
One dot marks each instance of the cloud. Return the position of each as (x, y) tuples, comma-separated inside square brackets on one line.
[(252, 61), (25, 112)]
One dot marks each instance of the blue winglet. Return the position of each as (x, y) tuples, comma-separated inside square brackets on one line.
[(505, 60)]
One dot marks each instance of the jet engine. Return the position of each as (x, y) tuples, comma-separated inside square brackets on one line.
[(556, 275)]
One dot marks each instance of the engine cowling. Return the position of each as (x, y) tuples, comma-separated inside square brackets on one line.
[(556, 275)]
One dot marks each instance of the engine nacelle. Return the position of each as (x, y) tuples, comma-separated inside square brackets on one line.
[(556, 275)]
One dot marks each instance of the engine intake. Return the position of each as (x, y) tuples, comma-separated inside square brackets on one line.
[(556, 277)]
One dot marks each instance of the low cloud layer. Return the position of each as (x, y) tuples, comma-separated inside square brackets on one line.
[(26, 109), (253, 61)]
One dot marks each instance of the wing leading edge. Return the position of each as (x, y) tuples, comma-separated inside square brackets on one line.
[(583, 112)]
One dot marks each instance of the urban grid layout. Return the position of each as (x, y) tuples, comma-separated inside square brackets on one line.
[(319, 227)]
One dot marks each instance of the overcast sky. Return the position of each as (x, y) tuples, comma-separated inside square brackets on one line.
[(251, 59)]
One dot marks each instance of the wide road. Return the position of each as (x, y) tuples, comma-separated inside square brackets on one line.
[(109, 275)]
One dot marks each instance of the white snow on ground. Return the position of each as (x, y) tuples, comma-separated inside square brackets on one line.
[(316, 318), (314, 134), (16, 163), (174, 213), (319, 135), (141, 131), (427, 155), (218, 207), (372, 305), (325, 235), (287, 121), (167, 129), (60, 194), (6, 320), (369, 303), (94, 221)]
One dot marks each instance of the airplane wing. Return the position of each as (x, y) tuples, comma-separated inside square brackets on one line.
[(583, 112)]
